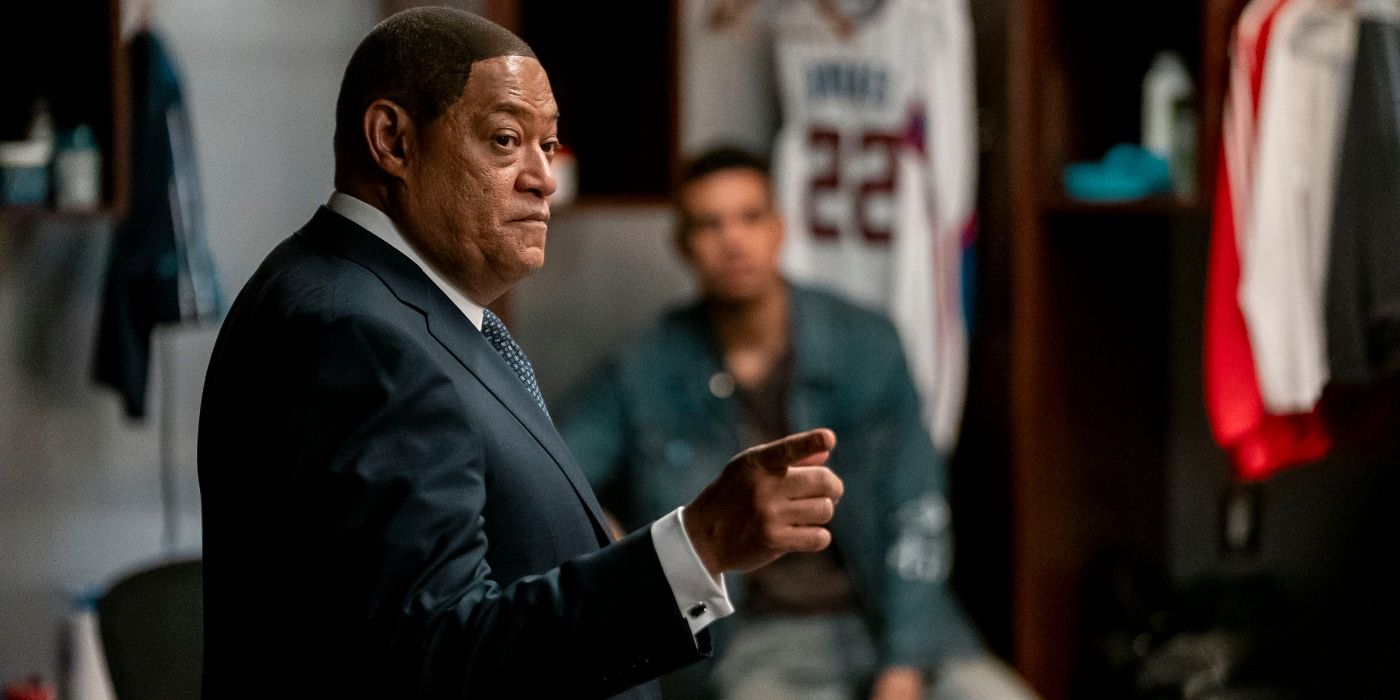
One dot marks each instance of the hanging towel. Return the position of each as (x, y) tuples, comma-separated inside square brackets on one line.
[(159, 268)]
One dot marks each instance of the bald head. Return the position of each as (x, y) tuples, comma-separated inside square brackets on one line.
[(419, 59)]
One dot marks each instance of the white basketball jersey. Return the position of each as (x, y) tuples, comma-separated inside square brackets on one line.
[(876, 171)]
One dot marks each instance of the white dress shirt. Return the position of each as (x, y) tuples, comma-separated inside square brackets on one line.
[(700, 597)]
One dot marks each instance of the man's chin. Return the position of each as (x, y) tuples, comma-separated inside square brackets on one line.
[(736, 295), (742, 288), (533, 259)]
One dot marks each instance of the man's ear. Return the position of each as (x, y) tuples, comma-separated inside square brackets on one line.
[(389, 135)]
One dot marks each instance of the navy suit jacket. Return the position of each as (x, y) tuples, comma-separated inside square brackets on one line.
[(387, 512)]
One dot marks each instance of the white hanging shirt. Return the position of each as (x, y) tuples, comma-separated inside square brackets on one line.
[(876, 171), (1284, 248)]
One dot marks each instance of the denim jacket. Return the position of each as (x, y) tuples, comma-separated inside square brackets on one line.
[(654, 425)]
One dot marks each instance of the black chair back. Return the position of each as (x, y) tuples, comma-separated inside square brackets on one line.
[(152, 625)]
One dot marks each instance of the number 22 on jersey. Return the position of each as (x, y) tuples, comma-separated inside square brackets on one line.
[(864, 189)]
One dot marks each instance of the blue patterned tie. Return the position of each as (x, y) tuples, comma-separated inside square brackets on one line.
[(495, 332)]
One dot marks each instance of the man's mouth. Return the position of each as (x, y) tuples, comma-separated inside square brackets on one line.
[(541, 217)]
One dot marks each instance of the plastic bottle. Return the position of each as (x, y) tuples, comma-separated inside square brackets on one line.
[(24, 165), (1168, 117), (77, 171), (566, 178), (83, 666)]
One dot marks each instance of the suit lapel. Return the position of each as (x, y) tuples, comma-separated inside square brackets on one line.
[(457, 335), (465, 342)]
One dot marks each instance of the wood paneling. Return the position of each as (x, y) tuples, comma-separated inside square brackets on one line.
[(1090, 303)]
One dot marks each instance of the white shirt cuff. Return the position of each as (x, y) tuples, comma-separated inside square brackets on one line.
[(701, 597)]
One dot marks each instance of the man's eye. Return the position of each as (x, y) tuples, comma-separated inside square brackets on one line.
[(504, 140), (550, 146)]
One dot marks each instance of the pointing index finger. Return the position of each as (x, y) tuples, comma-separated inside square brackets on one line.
[(781, 454)]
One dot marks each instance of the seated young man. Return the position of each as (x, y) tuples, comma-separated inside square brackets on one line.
[(754, 358)]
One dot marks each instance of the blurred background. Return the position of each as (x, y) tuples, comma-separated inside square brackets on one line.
[(1131, 521)]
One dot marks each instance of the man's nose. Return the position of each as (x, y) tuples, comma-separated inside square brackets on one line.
[(732, 231), (537, 177)]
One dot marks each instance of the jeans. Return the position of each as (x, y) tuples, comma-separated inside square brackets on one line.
[(832, 657)]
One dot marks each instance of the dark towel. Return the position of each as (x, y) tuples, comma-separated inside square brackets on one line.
[(159, 270)]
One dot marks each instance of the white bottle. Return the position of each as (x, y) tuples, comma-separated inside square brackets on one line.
[(566, 179), (1165, 88), (77, 170), (83, 666)]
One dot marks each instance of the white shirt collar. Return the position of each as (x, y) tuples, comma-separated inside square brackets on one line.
[(378, 223)]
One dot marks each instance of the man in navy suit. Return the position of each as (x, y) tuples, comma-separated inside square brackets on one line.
[(388, 510)]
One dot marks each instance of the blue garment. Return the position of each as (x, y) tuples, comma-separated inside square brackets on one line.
[(650, 433), (159, 269)]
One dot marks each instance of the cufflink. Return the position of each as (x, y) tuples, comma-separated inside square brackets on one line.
[(697, 610)]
